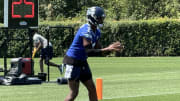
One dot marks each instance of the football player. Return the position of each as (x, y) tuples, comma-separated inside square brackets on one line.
[(86, 41)]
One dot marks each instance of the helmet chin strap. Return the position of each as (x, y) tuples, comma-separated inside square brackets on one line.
[(100, 25)]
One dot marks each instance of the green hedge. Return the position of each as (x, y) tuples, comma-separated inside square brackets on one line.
[(141, 38), (145, 38), (19, 46)]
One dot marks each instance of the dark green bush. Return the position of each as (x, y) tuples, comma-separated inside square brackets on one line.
[(145, 38), (18, 43), (141, 38)]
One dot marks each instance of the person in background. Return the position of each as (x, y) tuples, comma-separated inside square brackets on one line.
[(40, 43)]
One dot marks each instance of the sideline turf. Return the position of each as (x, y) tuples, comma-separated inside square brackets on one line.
[(165, 97), (124, 79)]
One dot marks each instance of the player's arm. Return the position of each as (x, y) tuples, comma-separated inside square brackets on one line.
[(98, 45), (89, 50), (37, 45), (36, 48)]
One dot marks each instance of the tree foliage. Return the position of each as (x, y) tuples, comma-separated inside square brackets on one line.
[(146, 9), (115, 9)]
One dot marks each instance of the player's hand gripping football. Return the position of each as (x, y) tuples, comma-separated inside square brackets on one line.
[(116, 46)]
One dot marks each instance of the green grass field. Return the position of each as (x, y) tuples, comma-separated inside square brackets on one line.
[(124, 79)]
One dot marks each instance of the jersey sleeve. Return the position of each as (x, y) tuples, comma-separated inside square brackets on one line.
[(87, 35)]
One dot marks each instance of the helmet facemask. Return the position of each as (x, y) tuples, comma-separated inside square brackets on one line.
[(96, 16)]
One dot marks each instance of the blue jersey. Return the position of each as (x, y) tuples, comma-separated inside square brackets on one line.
[(77, 50)]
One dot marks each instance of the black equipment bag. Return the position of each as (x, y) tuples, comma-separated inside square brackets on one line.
[(23, 79)]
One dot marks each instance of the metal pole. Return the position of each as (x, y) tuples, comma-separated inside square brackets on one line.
[(5, 53), (48, 70), (31, 45)]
